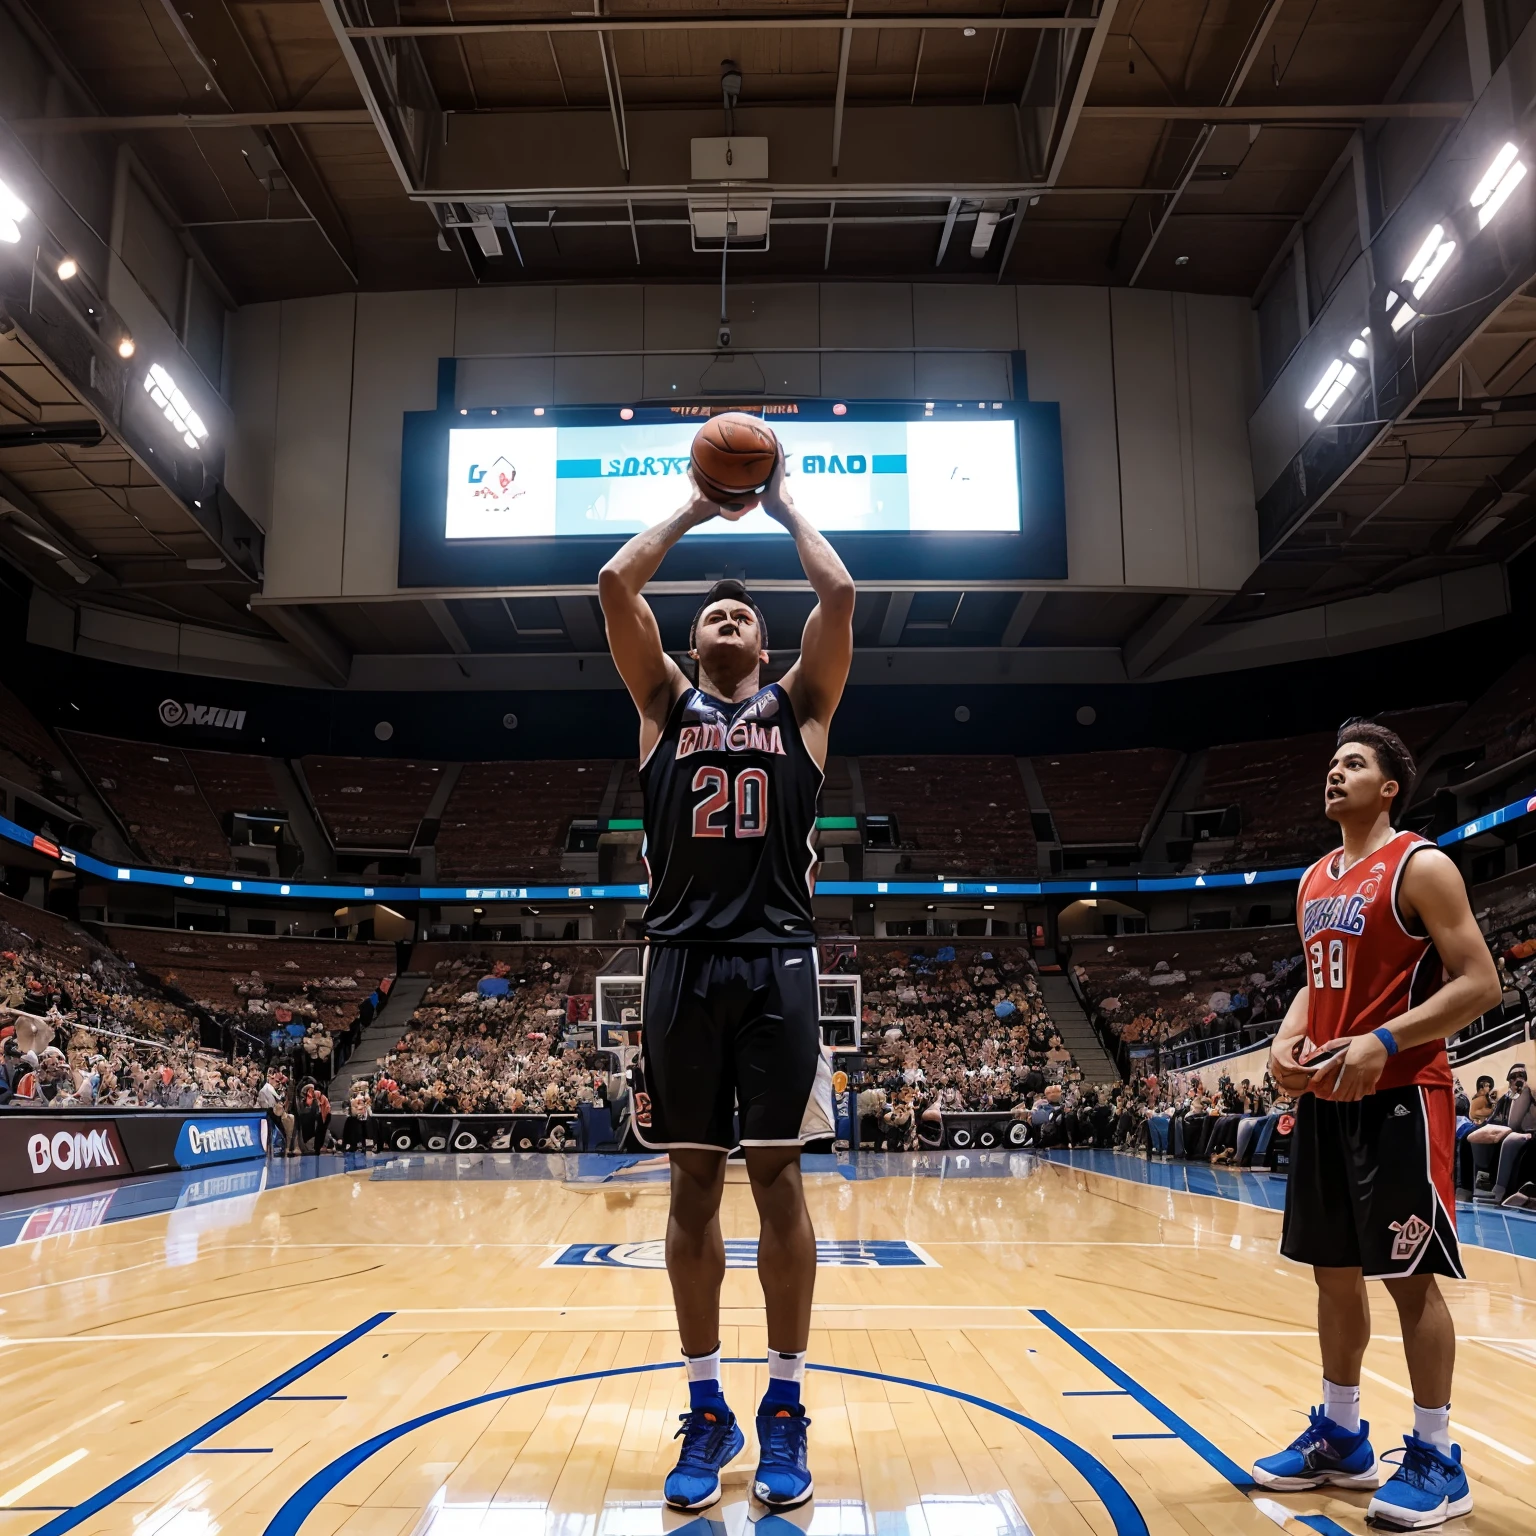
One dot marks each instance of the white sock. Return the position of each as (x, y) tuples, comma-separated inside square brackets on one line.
[(786, 1377), (704, 1367), (704, 1379), (1342, 1405), (1434, 1425)]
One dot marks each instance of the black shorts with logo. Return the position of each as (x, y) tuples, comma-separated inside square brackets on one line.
[(1371, 1185), (730, 1048)]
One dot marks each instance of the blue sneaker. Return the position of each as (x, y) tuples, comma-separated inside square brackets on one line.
[(709, 1443), (1427, 1489), (783, 1481), (1321, 1453)]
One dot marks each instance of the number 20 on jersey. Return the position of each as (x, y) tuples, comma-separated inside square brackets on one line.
[(738, 808)]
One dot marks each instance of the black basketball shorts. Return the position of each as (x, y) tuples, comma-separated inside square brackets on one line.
[(1371, 1185), (730, 1048)]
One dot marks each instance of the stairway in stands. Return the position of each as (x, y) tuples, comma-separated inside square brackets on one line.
[(380, 1038), (1077, 1034)]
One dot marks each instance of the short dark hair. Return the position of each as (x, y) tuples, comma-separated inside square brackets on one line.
[(1392, 754), (729, 590)]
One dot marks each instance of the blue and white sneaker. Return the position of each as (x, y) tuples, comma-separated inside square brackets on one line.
[(1321, 1453), (709, 1443), (782, 1481), (1427, 1489)]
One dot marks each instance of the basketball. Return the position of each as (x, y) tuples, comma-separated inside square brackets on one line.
[(733, 456)]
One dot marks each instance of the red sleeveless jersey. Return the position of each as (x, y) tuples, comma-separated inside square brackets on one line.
[(1364, 966)]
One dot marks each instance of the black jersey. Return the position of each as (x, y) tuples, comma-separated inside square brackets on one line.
[(730, 814)]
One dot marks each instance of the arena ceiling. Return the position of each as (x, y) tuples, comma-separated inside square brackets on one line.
[(317, 146)]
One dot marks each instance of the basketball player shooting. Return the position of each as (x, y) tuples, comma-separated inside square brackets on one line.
[(730, 1020), (1395, 966)]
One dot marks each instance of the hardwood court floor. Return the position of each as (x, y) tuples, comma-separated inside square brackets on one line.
[(1082, 1354)]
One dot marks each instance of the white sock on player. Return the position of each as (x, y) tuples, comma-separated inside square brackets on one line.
[(1342, 1405), (1434, 1425)]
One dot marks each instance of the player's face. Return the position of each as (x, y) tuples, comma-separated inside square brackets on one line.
[(1356, 784), (728, 640)]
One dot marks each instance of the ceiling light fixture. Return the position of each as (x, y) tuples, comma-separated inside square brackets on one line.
[(125, 347), (1500, 179), (176, 408), (12, 212), (67, 268), (1429, 261)]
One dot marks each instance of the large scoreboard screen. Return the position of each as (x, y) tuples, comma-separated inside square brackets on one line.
[(525, 496)]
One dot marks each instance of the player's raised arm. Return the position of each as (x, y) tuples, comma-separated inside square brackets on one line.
[(654, 680), (815, 682)]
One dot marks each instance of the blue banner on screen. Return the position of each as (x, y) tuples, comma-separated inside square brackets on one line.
[(924, 476)]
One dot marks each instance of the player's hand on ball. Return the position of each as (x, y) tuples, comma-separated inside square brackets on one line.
[(1289, 1075), (1349, 1073), (732, 511), (776, 499), (699, 503)]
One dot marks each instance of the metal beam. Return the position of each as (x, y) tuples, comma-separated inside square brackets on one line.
[(927, 21), (155, 121), (447, 625), (312, 639), (358, 117), (1091, 56), (1171, 620), (1239, 77), (615, 98), (844, 48), (895, 619), (1024, 614), (1285, 114), (581, 623), (211, 34), (949, 229)]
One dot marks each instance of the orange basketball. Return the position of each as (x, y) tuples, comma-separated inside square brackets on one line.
[(733, 456)]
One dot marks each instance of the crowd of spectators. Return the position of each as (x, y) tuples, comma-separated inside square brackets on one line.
[(489, 1038), (80, 1026), (1509, 924), (1496, 1141), (961, 1030), (1152, 990)]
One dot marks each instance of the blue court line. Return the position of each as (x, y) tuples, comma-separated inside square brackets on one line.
[(1148, 1434), (1181, 1428), (300, 1505), (231, 1450), (141, 1474), (1101, 1392)]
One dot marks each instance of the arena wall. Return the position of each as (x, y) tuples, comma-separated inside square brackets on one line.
[(1155, 389)]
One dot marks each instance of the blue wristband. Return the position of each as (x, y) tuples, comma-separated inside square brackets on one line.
[(1387, 1038)]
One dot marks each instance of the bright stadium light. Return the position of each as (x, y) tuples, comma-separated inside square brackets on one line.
[(1361, 344), (1429, 261), (1500, 179), (1324, 384), (176, 408), (12, 212)]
